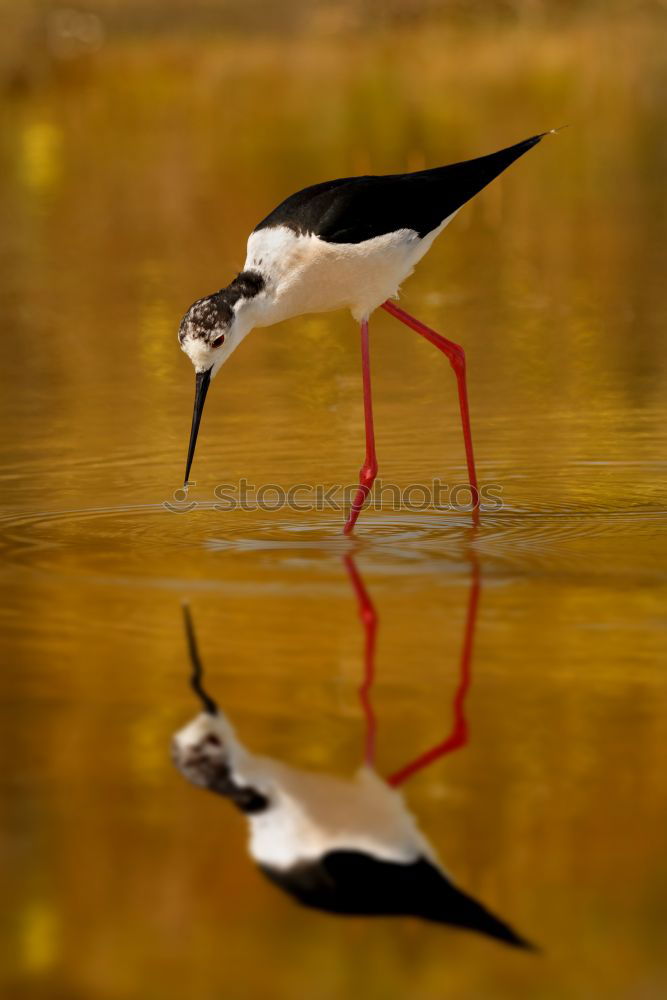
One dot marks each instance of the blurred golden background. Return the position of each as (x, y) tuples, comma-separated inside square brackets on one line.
[(140, 144)]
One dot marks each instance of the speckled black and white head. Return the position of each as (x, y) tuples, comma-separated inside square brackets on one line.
[(208, 333), (204, 751), (205, 329)]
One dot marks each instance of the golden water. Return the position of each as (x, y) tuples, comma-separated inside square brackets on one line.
[(127, 193)]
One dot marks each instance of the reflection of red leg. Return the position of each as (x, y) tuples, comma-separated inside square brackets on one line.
[(369, 620), (459, 734), (369, 469), (457, 360)]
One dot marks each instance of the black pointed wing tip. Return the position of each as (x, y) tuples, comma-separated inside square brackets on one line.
[(498, 930), (515, 941)]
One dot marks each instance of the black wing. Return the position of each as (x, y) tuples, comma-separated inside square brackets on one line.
[(355, 883), (354, 209)]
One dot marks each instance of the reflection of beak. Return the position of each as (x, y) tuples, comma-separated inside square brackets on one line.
[(202, 382), (196, 678)]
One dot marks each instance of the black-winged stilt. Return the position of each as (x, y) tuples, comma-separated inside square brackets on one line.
[(347, 846), (347, 243)]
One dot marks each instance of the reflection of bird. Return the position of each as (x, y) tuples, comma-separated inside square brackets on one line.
[(344, 846), (347, 243)]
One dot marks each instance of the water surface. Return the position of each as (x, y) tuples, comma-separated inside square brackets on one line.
[(127, 192)]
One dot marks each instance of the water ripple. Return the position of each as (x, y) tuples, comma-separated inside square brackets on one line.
[(148, 540)]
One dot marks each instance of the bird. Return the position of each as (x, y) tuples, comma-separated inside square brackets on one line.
[(345, 243), (339, 845)]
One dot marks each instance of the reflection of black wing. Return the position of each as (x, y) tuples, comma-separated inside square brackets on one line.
[(354, 209), (354, 883)]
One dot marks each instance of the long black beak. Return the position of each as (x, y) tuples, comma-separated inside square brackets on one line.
[(196, 678), (202, 382)]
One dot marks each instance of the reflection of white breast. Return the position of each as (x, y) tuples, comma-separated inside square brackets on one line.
[(310, 814), (305, 274)]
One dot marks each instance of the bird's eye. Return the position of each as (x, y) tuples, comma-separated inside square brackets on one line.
[(219, 341)]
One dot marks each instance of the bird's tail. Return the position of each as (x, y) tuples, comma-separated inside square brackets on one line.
[(457, 183)]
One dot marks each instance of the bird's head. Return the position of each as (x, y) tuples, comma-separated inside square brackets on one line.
[(200, 750), (210, 330), (206, 750), (207, 333)]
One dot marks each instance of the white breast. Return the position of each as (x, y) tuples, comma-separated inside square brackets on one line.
[(309, 814), (305, 274), (312, 814)]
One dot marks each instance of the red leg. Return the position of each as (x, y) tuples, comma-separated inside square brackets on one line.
[(369, 469), (457, 360), (459, 734), (369, 620)]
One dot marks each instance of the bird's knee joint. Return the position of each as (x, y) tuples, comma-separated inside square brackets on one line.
[(368, 617), (457, 359)]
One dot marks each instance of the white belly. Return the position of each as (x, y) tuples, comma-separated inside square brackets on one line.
[(305, 274)]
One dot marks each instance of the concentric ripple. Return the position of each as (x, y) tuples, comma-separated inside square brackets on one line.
[(149, 541)]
